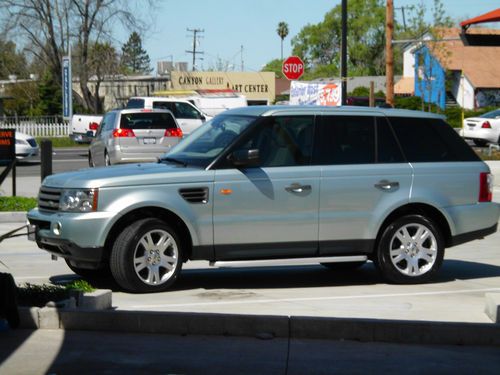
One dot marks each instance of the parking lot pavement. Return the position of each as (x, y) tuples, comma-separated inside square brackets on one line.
[(469, 271), (60, 352)]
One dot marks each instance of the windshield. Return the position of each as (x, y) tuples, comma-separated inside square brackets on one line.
[(492, 114), (207, 142)]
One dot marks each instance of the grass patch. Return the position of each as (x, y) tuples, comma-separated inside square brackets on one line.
[(61, 142), (17, 203)]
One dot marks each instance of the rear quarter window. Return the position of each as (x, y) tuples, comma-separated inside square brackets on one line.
[(430, 140), (135, 103)]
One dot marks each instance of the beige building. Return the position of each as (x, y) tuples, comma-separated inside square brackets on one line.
[(257, 87)]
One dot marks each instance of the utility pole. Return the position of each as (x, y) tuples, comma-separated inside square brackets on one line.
[(389, 55), (343, 54), (194, 52)]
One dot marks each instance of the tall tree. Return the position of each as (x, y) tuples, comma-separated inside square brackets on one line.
[(135, 59), (11, 62), (49, 27), (282, 31)]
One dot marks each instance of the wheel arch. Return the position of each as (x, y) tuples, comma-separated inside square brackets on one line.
[(154, 212), (423, 209)]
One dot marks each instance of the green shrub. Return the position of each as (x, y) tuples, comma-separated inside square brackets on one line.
[(80, 286), (39, 295), (17, 203)]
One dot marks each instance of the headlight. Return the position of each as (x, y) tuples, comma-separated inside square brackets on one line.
[(78, 200)]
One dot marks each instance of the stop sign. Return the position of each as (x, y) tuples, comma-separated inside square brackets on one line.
[(293, 67)]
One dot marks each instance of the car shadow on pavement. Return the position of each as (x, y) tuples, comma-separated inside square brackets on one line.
[(284, 277)]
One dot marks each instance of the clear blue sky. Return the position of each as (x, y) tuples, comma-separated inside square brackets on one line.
[(230, 24)]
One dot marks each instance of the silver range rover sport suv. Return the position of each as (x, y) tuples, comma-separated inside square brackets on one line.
[(337, 186)]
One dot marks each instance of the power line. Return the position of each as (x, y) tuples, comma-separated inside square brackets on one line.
[(194, 52)]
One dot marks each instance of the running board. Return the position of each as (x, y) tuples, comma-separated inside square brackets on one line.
[(288, 261)]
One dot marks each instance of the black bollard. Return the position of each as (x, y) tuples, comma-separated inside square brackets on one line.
[(45, 158)]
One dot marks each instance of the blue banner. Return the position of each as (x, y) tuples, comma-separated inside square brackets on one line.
[(67, 90)]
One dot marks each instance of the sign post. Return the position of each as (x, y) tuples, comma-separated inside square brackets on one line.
[(293, 67), (67, 89)]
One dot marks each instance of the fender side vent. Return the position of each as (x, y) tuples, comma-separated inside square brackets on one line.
[(195, 195)]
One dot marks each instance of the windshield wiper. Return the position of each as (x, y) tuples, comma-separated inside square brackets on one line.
[(173, 160)]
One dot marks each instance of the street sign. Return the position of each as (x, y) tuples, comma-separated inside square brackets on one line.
[(7, 145), (67, 89), (293, 67)]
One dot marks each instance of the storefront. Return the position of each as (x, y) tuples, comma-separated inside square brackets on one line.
[(258, 87)]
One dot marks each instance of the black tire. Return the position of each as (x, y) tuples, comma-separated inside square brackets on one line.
[(91, 161), (480, 142), (399, 245), (138, 276), (107, 160), (88, 273), (344, 266)]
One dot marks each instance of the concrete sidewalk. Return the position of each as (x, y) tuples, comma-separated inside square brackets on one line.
[(69, 352)]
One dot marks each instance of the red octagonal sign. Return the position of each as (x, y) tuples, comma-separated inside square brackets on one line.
[(293, 67)]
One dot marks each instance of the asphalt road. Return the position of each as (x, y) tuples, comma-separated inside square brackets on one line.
[(63, 160)]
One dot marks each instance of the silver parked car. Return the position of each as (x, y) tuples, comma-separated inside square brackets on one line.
[(336, 186), (133, 135)]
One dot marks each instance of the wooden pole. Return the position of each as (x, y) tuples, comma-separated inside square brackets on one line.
[(389, 56)]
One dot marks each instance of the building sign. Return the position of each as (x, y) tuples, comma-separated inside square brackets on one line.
[(255, 86), (7, 145), (66, 85), (311, 93)]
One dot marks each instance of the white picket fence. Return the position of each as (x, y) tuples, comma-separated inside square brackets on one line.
[(39, 129)]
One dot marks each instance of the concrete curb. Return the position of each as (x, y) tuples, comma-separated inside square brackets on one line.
[(264, 326), (492, 308), (13, 217)]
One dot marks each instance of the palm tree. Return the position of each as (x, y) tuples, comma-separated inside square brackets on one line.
[(282, 31)]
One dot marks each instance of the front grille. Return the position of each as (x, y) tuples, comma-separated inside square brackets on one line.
[(48, 199), (32, 142), (195, 195)]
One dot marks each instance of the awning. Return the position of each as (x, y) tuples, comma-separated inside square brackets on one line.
[(493, 16)]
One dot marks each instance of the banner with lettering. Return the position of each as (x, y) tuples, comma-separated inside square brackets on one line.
[(311, 93)]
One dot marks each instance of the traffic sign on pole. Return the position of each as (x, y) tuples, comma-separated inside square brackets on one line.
[(293, 67)]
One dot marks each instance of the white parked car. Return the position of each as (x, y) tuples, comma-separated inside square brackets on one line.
[(26, 146), (483, 129)]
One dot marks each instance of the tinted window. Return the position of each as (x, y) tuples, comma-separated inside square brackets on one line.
[(184, 110), (388, 150), (164, 105), (346, 140), (430, 140), (108, 121), (147, 120), (283, 141), (135, 103)]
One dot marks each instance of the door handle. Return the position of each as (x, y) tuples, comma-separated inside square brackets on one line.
[(386, 185), (298, 188)]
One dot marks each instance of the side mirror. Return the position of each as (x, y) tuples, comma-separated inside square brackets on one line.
[(202, 117), (245, 158)]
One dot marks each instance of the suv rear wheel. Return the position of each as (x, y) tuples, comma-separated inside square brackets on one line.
[(146, 256), (410, 250)]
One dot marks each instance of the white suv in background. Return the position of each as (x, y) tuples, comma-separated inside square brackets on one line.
[(187, 115)]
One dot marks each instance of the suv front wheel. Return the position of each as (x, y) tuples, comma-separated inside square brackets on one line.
[(410, 250), (146, 256)]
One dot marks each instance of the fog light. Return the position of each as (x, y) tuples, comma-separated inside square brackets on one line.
[(56, 229)]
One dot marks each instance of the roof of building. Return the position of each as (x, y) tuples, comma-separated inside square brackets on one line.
[(480, 64)]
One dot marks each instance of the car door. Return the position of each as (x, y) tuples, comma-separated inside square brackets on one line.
[(270, 210), (98, 146), (188, 117), (363, 177)]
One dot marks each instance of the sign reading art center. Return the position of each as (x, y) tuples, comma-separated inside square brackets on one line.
[(256, 86), (312, 93), (7, 145)]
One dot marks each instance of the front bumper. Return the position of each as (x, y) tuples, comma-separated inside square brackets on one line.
[(79, 237)]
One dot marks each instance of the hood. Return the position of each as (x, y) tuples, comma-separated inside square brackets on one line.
[(128, 175)]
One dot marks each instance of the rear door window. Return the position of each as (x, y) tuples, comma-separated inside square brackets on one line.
[(164, 105), (135, 103), (345, 140), (186, 111)]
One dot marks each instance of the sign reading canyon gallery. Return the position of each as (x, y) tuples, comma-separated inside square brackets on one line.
[(255, 86)]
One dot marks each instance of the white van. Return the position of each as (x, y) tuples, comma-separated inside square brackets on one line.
[(187, 115)]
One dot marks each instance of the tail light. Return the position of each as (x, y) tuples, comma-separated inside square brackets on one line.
[(486, 125), (93, 126), (173, 132), (118, 133), (485, 187)]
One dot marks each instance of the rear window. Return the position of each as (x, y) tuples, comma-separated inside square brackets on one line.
[(135, 103), (430, 140), (147, 120)]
